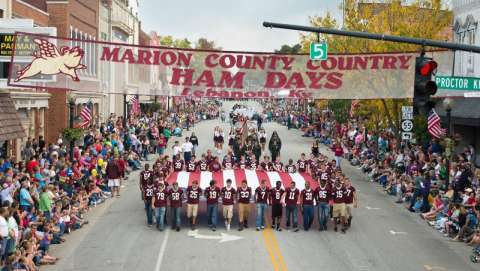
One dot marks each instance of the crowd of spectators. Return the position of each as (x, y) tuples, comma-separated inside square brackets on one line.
[(46, 193), (414, 174)]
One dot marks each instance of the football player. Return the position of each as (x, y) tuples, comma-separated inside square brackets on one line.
[(191, 165), (203, 163), (159, 203), (338, 196), (261, 198), (278, 165), (178, 163), (193, 197), (212, 193), (244, 195), (290, 199), (322, 196), (351, 201), (228, 195), (147, 197), (276, 195), (176, 196), (306, 200), (302, 164), (145, 176), (290, 168)]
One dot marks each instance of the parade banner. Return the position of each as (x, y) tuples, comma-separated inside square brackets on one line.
[(153, 70)]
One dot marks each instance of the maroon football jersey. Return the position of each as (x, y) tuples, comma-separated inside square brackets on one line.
[(302, 165), (228, 195), (313, 164), (145, 176), (203, 165), (175, 198), (276, 195), (148, 192), (227, 163), (349, 194), (191, 166), (212, 195), (261, 195), (338, 194), (165, 170), (323, 175), (291, 197), (323, 194), (160, 198), (307, 196), (168, 164), (291, 168), (178, 165), (209, 158), (215, 166), (244, 194), (193, 195)]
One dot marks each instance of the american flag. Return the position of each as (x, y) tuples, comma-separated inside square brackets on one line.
[(433, 124), (354, 106), (86, 114), (135, 105)]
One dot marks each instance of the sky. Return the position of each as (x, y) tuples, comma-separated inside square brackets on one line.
[(233, 25)]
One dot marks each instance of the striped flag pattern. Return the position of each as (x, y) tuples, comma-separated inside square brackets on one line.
[(434, 127), (353, 106), (86, 114), (253, 177), (135, 105)]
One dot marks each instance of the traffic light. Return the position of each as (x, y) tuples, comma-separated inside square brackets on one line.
[(424, 87)]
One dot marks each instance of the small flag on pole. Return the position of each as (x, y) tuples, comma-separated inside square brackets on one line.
[(434, 127), (86, 114), (135, 105), (353, 107)]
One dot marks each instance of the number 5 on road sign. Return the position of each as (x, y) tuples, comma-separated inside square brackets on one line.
[(318, 51)]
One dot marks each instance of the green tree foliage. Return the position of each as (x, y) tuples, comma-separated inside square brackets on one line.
[(287, 49), (340, 109), (421, 18)]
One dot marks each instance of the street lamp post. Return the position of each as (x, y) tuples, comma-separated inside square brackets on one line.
[(71, 106), (125, 111), (448, 104)]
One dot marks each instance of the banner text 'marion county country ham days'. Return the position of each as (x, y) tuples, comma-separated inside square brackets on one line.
[(326, 74), (144, 70)]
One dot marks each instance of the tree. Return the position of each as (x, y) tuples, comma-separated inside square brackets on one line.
[(182, 43), (287, 49), (205, 44), (423, 19), (166, 41)]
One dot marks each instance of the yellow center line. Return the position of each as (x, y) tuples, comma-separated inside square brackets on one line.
[(270, 250), (273, 249)]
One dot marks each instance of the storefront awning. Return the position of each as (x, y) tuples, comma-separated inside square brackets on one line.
[(10, 125)]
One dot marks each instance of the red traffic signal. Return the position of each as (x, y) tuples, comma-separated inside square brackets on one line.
[(427, 67)]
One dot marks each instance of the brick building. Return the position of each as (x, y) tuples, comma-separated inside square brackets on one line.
[(31, 105), (78, 20)]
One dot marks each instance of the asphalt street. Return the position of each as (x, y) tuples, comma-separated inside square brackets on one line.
[(383, 236)]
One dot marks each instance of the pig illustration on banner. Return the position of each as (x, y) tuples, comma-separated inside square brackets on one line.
[(50, 61)]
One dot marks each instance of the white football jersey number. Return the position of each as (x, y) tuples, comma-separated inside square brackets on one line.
[(339, 194), (291, 195), (193, 194), (175, 196), (322, 194)]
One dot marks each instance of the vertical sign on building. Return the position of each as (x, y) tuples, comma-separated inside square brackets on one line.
[(407, 122)]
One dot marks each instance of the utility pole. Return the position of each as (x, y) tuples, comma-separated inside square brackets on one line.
[(372, 36)]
